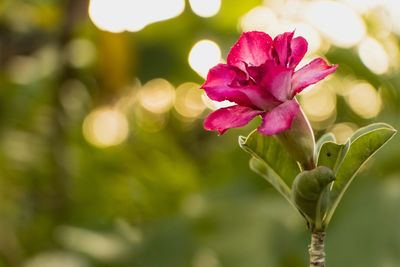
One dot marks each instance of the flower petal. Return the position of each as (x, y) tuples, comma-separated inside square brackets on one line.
[(311, 73), (280, 118), (282, 47), (277, 80), (223, 83), (230, 117), (299, 48), (253, 48)]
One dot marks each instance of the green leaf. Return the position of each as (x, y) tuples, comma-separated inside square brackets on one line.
[(370, 128), (327, 137), (265, 171), (310, 193), (331, 155), (269, 150), (363, 144)]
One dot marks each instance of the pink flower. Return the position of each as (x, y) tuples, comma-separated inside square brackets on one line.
[(260, 78)]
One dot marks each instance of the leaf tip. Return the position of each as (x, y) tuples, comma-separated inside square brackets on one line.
[(242, 140)]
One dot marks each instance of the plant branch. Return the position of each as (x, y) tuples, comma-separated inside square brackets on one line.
[(317, 249)]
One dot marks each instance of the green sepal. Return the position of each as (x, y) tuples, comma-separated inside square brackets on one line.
[(299, 141), (310, 194)]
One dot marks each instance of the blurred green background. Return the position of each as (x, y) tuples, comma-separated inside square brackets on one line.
[(103, 158)]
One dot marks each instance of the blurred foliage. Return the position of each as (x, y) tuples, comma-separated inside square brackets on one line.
[(167, 193)]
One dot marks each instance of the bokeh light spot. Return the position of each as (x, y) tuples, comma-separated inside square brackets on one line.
[(56, 258), (362, 6), (80, 52), (205, 8), (337, 21), (157, 96), (132, 15), (105, 127), (260, 18), (342, 131), (373, 55), (48, 59), (364, 100), (310, 34), (23, 69), (102, 246), (189, 102), (319, 104), (204, 55), (73, 97), (392, 8), (104, 15)]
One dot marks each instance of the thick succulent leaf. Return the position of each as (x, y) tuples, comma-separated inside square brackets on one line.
[(364, 143), (328, 137), (269, 150), (265, 171), (310, 193), (331, 155)]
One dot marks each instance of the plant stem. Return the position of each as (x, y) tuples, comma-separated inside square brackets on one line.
[(317, 249)]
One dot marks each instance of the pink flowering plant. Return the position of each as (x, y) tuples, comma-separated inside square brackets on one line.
[(262, 79)]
